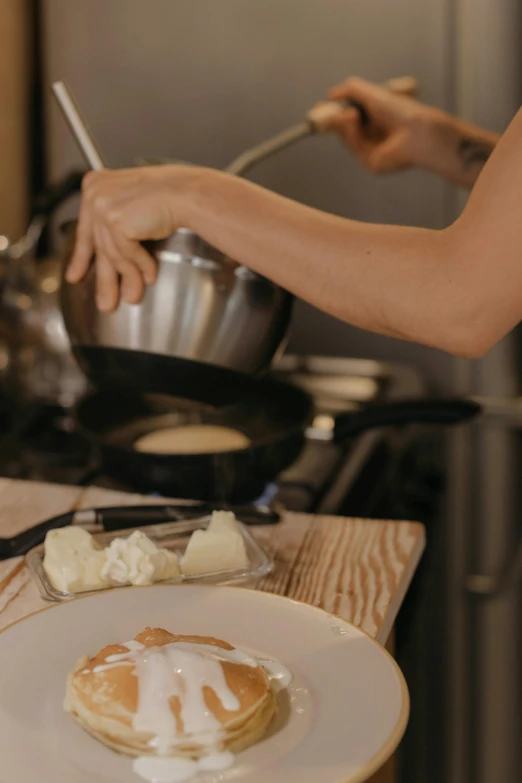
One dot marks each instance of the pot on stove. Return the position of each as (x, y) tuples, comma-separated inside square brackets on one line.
[(202, 308)]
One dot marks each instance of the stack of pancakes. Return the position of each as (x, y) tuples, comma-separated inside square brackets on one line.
[(105, 702)]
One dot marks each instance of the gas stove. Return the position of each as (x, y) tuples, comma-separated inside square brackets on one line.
[(40, 443)]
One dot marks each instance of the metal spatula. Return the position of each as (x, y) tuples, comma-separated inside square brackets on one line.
[(404, 85)]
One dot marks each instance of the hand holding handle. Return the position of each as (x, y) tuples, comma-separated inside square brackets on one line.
[(320, 115)]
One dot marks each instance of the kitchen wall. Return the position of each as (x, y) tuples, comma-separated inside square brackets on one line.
[(15, 32), (201, 80)]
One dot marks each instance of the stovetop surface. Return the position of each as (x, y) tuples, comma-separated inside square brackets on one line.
[(39, 442)]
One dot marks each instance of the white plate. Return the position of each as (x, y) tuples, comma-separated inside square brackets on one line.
[(343, 715)]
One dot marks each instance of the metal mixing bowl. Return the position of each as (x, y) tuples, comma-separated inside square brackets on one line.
[(201, 308)]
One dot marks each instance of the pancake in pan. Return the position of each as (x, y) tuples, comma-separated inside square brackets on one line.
[(192, 439)]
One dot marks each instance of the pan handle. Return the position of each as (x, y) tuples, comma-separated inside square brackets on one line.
[(446, 412), (25, 541)]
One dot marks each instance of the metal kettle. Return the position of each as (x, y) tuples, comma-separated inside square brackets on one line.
[(36, 363)]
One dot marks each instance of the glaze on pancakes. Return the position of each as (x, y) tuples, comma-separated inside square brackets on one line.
[(166, 695), (192, 439)]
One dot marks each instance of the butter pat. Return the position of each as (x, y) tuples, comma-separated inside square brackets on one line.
[(223, 522), (219, 548), (74, 562)]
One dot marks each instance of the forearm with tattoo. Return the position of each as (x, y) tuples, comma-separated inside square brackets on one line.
[(458, 150), (474, 154)]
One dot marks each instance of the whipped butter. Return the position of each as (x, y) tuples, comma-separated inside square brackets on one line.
[(138, 561), (74, 562)]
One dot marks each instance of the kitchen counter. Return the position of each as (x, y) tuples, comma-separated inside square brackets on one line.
[(357, 569)]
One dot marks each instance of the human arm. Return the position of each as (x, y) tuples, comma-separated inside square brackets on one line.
[(404, 133), (459, 289)]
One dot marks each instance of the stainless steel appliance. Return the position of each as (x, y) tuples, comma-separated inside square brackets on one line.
[(201, 308), (484, 708), (35, 353)]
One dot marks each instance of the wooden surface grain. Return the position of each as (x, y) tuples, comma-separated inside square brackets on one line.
[(357, 569)]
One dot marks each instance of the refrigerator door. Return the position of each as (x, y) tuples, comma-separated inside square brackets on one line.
[(485, 691)]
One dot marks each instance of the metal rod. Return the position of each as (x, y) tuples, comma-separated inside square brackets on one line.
[(405, 85), (78, 125), (252, 156)]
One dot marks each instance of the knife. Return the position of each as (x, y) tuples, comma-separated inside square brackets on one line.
[(124, 517)]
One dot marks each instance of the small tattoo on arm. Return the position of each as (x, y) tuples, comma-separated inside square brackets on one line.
[(474, 153)]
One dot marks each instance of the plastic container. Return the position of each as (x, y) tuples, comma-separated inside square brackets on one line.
[(173, 536)]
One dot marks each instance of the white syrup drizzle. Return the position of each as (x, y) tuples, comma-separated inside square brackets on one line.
[(177, 770), (183, 670)]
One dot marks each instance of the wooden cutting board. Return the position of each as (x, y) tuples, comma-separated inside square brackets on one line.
[(358, 569)]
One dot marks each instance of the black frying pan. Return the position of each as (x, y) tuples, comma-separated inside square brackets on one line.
[(167, 392), (273, 414)]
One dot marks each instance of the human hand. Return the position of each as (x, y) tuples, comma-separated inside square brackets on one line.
[(120, 210), (399, 133)]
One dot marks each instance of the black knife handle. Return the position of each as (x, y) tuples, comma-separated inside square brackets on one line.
[(121, 517), (115, 518), (25, 541)]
